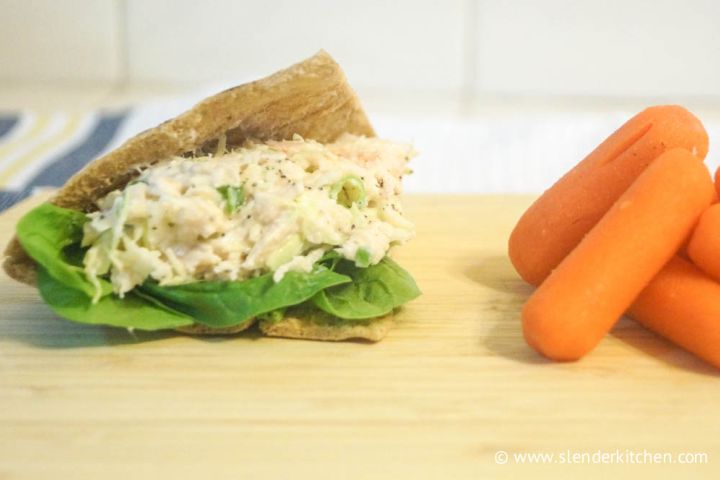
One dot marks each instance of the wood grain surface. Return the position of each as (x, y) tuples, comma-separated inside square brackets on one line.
[(453, 384)]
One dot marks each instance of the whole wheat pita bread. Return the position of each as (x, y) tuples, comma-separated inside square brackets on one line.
[(311, 98), (200, 329), (320, 326)]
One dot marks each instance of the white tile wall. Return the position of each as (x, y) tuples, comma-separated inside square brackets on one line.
[(601, 48), (527, 48), (64, 40), (404, 44)]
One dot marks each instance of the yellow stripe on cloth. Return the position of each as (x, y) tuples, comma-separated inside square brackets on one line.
[(52, 142), (28, 135)]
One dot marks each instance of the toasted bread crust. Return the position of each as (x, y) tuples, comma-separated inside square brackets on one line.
[(18, 265), (310, 329), (311, 98), (199, 329)]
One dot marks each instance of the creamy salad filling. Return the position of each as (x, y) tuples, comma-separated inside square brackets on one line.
[(274, 207)]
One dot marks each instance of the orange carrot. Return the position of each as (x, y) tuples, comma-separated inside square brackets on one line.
[(683, 305), (683, 252), (717, 181), (704, 246), (561, 217), (591, 288)]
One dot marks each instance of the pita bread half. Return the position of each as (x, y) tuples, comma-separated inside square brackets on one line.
[(311, 98)]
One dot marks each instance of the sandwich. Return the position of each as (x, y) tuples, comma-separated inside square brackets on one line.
[(271, 204)]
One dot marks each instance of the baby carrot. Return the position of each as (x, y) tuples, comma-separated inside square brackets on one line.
[(559, 219), (704, 246), (591, 288), (683, 252), (683, 305)]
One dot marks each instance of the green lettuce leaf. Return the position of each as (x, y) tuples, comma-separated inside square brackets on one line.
[(133, 311), (374, 291), (51, 235), (222, 304)]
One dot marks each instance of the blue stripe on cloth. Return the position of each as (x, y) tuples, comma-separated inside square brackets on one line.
[(62, 168), (7, 123), (8, 198)]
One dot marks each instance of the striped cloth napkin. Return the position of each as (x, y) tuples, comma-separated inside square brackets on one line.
[(44, 150)]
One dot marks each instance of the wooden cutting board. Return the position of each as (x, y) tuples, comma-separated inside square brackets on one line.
[(450, 387)]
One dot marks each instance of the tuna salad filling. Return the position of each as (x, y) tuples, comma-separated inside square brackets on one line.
[(275, 208)]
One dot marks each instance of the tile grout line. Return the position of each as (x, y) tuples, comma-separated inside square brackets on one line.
[(470, 73), (121, 12)]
